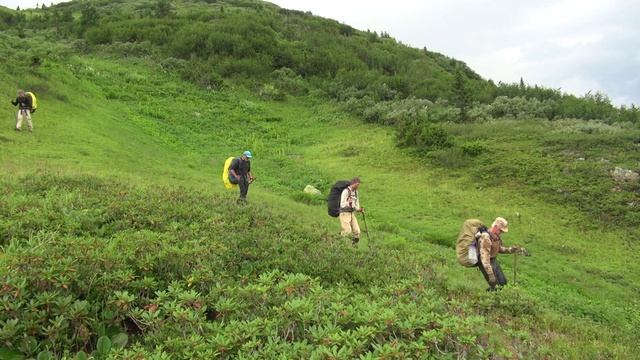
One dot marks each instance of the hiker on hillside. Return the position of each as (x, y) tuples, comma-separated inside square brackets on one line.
[(490, 245), (240, 173), (349, 204), (25, 105)]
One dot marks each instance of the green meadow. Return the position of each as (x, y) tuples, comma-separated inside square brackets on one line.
[(119, 241)]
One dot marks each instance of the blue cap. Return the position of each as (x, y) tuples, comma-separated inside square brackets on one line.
[(247, 154)]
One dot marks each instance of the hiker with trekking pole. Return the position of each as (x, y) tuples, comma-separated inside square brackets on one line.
[(26, 105), (240, 174), (479, 246), (344, 202)]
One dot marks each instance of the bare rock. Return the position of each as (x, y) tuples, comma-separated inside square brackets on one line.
[(309, 189), (620, 174)]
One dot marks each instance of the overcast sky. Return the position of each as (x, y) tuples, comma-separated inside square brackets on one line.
[(574, 45)]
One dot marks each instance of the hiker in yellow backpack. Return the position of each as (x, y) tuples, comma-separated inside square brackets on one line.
[(24, 101), (490, 245), (240, 173)]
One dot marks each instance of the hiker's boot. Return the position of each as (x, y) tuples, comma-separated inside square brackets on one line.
[(355, 241)]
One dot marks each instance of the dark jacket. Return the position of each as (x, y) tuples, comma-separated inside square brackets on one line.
[(24, 103), (241, 167)]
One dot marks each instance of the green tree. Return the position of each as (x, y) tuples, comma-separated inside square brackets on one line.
[(461, 95), (163, 8), (89, 16), (67, 16)]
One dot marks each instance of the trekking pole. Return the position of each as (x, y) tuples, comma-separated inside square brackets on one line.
[(366, 228), (515, 264)]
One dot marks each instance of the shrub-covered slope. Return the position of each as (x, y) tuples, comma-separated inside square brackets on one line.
[(176, 273), (112, 219)]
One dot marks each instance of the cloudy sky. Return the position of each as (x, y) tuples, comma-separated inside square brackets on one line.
[(574, 45)]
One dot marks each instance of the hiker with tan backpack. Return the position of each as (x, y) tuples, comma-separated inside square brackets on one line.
[(26, 102), (479, 246)]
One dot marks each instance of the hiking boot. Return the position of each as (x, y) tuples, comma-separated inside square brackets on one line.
[(355, 241), (18, 129)]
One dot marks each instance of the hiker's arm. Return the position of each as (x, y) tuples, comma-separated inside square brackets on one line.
[(233, 167), (510, 249), (14, 102), (232, 171), (357, 204), (485, 257)]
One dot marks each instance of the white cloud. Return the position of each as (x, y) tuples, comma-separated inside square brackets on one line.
[(511, 55), (578, 40), (565, 14), (26, 4), (578, 84)]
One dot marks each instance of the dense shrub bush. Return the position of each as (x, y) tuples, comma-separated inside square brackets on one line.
[(288, 81), (423, 136), (520, 108)]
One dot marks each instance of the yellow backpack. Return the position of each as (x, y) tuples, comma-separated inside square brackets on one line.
[(34, 101), (225, 174)]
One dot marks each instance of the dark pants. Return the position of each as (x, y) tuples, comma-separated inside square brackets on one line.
[(243, 184), (497, 271)]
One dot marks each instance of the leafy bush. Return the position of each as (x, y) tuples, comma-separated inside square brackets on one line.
[(519, 107), (473, 148), (423, 136), (288, 81), (270, 92)]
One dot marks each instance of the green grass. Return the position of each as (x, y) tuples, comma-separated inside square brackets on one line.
[(121, 179)]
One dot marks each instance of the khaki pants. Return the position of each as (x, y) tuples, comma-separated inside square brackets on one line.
[(349, 224), (24, 115)]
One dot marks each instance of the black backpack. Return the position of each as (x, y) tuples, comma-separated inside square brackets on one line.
[(333, 201)]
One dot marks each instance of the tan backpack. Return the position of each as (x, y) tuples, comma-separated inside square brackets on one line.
[(466, 247)]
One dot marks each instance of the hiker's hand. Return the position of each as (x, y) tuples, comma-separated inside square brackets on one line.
[(515, 249), (361, 210), (524, 252)]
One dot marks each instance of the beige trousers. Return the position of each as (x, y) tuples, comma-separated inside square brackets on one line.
[(349, 224), (24, 115)]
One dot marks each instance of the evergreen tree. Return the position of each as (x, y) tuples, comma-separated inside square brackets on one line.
[(67, 16), (163, 8), (89, 15), (461, 95)]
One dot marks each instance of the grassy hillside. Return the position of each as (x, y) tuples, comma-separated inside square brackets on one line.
[(114, 221)]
